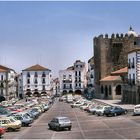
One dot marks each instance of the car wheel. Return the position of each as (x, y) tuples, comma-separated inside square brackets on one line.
[(69, 128), (10, 129), (50, 127), (57, 128), (125, 112), (134, 114), (115, 114)]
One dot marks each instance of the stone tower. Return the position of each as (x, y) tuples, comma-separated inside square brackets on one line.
[(110, 54)]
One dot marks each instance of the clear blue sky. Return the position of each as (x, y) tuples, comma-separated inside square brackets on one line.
[(55, 34)]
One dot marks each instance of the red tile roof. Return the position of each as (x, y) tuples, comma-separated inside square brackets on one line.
[(36, 68), (2, 70), (111, 78), (134, 50), (70, 68), (120, 71)]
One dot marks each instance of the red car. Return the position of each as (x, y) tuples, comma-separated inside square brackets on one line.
[(2, 130), (14, 109)]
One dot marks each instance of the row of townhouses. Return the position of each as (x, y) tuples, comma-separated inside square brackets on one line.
[(37, 80)]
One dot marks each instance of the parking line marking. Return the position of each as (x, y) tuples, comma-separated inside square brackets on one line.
[(82, 132)]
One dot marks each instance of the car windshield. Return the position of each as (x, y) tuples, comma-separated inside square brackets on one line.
[(12, 120), (64, 120), (26, 116)]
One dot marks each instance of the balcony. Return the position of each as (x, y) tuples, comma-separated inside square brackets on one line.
[(67, 81)]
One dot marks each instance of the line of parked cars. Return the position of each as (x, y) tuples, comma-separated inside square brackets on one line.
[(14, 116), (96, 108)]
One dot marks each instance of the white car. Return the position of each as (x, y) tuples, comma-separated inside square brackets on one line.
[(94, 108), (77, 104), (136, 110), (100, 110), (85, 106)]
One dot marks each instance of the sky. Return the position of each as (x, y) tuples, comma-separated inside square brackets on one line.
[(55, 34)]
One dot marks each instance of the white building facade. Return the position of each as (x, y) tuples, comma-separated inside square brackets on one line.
[(73, 79), (8, 83), (134, 67), (90, 72), (56, 87), (36, 80)]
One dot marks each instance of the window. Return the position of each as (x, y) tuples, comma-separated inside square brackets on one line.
[(133, 63), (109, 89), (1, 85), (70, 85), (43, 81), (129, 64), (28, 81), (133, 81), (102, 89), (28, 74), (79, 84), (64, 86), (79, 73), (1, 77), (43, 74), (36, 75), (36, 81), (129, 78), (64, 77), (76, 73)]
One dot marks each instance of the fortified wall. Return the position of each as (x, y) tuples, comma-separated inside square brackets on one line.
[(110, 54)]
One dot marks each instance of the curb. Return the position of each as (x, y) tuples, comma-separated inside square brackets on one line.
[(129, 110)]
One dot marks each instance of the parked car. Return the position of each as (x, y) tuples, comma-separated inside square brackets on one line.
[(60, 123), (34, 113), (89, 107), (114, 111), (94, 108), (14, 109), (2, 130), (77, 104), (136, 110), (10, 123), (100, 110), (24, 118)]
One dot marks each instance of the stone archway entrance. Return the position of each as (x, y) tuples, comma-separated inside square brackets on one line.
[(64, 92), (78, 92), (70, 91), (28, 93), (36, 93)]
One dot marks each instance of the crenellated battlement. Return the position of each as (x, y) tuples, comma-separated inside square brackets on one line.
[(114, 36)]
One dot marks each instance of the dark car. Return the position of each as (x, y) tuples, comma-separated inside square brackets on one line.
[(60, 123), (114, 111)]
